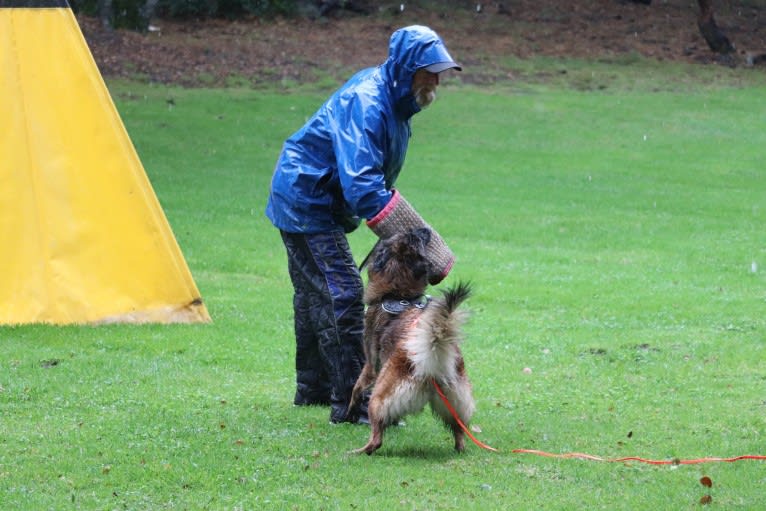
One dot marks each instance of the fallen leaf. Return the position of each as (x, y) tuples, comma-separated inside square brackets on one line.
[(706, 499), (706, 481)]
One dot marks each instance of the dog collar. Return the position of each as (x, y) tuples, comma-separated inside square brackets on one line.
[(398, 305)]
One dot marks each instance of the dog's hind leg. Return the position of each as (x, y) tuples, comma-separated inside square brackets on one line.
[(376, 438), (379, 421), (462, 401), (457, 432), (449, 420)]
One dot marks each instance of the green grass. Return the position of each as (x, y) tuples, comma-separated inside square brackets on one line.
[(620, 73), (615, 240)]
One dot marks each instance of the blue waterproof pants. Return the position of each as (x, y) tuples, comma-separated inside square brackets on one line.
[(329, 319)]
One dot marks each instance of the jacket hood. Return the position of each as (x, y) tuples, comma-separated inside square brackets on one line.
[(410, 49)]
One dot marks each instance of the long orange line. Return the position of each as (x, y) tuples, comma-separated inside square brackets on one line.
[(460, 423), (590, 457)]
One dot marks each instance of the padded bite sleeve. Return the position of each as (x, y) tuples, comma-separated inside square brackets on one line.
[(399, 216)]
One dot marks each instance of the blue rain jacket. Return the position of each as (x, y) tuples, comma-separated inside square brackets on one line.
[(341, 165)]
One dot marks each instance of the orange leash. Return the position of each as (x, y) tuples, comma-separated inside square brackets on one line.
[(582, 456), (457, 419), (590, 457)]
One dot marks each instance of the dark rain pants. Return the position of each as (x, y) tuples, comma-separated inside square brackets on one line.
[(329, 318)]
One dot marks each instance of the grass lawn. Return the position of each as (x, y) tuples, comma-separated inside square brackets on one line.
[(614, 232)]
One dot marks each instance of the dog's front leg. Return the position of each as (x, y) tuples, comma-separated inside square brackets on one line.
[(366, 378)]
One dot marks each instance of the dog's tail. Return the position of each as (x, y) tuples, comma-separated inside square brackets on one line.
[(456, 295), (445, 318)]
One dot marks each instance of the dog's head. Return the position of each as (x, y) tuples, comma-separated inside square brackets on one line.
[(399, 265)]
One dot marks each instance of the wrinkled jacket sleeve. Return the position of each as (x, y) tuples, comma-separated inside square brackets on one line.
[(359, 143)]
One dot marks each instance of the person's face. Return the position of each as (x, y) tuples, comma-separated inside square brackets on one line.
[(424, 85)]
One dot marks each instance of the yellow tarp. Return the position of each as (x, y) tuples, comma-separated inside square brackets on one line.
[(83, 238)]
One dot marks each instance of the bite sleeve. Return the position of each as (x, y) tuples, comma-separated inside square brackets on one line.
[(399, 216)]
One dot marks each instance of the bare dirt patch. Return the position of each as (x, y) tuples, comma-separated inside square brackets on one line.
[(256, 51)]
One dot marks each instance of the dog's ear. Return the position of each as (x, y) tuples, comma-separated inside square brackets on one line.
[(423, 234), (380, 257)]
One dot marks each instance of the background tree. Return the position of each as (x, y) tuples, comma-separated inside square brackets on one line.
[(715, 39)]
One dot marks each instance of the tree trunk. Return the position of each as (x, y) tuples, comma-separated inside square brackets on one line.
[(715, 39), (147, 12), (105, 13)]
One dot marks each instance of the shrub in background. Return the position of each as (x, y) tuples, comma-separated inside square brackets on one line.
[(136, 14)]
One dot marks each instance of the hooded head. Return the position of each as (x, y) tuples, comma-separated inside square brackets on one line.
[(412, 48)]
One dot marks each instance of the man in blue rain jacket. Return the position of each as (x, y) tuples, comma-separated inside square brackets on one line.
[(338, 169)]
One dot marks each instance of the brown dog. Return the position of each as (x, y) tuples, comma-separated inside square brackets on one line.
[(411, 341)]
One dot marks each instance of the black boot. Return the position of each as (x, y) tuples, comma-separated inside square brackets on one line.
[(302, 399), (340, 413)]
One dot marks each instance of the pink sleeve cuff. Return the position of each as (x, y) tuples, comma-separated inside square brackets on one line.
[(435, 279), (383, 213)]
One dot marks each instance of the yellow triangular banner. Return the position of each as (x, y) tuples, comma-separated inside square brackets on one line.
[(83, 238)]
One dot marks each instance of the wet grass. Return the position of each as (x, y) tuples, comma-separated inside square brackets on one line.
[(615, 240)]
